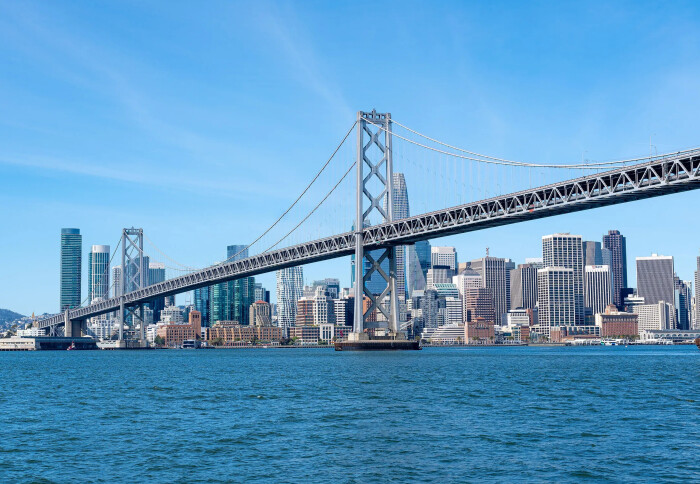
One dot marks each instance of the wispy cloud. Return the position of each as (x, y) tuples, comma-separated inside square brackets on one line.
[(288, 34)]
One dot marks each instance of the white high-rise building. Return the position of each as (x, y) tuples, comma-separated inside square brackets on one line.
[(117, 278), (290, 287), (566, 250), (598, 288), (444, 256), (523, 286), (654, 316), (323, 307), (556, 298)]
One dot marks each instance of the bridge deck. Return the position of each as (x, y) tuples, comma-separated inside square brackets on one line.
[(660, 176)]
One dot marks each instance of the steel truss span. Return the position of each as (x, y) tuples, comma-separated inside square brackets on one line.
[(661, 176)]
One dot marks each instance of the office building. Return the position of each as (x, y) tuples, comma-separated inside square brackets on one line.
[(98, 272), (655, 279), (565, 250), (616, 324), (71, 264), (598, 288), (155, 275), (493, 277), (592, 253), (400, 210), (657, 316), (202, 303), (444, 256), (260, 314), (556, 298), (290, 286), (617, 245), (438, 275), (683, 303), (523, 286)]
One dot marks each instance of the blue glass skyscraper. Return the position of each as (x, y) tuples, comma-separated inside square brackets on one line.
[(71, 262)]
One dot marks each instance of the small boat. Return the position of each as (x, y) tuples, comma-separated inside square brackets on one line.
[(71, 347)]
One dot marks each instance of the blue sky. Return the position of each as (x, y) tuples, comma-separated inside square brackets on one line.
[(202, 122)]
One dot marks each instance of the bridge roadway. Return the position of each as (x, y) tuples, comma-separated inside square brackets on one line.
[(659, 176)]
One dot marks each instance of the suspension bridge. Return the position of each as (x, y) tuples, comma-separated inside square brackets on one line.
[(461, 175)]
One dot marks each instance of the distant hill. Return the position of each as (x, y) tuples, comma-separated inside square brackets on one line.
[(6, 316)]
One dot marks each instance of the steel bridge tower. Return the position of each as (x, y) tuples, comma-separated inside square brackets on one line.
[(374, 197), (134, 276)]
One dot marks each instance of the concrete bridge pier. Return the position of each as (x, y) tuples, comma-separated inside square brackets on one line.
[(73, 329)]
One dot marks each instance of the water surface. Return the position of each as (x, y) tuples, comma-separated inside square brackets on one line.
[(312, 415)]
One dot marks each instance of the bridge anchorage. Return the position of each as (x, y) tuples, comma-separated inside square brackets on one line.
[(374, 239)]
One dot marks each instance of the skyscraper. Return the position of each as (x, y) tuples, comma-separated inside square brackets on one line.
[(556, 297), (290, 288), (202, 304), (117, 275), (682, 303), (655, 279), (98, 272), (617, 245), (566, 250), (592, 253), (697, 293), (598, 288), (418, 263), (156, 274), (493, 277), (444, 256), (400, 210), (71, 263), (523, 287)]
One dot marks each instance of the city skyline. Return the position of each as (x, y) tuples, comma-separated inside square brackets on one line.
[(68, 165)]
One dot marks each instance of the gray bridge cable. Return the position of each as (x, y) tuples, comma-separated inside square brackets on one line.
[(325, 165), (498, 161), (312, 211)]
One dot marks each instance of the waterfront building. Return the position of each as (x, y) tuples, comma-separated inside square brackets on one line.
[(493, 277), (175, 334), (565, 251), (202, 303), (290, 284), (230, 333), (71, 263), (449, 334), (655, 279), (598, 288), (479, 331), (98, 272), (556, 298), (523, 286), (592, 253), (657, 316), (617, 245), (617, 324), (260, 314), (305, 335)]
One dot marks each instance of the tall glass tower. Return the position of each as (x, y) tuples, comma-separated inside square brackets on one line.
[(156, 274), (231, 300), (617, 244), (202, 303), (98, 272), (71, 262)]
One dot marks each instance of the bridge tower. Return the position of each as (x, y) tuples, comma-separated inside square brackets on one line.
[(374, 197), (134, 276)]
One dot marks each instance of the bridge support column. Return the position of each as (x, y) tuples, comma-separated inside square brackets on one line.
[(374, 169), (72, 329), (120, 318)]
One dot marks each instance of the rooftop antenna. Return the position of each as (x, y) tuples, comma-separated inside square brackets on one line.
[(487, 251)]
